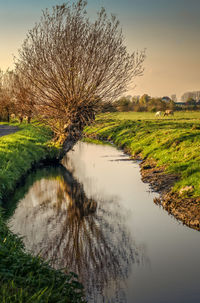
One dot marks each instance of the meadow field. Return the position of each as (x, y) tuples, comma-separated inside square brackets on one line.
[(178, 115)]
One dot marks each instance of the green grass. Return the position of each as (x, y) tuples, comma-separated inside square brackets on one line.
[(23, 277), (19, 151), (174, 142)]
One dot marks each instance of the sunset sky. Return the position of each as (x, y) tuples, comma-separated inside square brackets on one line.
[(168, 29)]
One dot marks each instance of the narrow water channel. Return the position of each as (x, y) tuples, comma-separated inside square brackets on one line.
[(95, 216)]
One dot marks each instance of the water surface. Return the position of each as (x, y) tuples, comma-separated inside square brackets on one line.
[(95, 216)]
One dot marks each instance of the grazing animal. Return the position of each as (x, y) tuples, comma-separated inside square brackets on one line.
[(158, 114), (168, 112)]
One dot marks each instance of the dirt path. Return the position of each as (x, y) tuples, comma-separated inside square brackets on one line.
[(6, 130)]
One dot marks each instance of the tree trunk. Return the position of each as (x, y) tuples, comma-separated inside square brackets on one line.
[(69, 143), (73, 132)]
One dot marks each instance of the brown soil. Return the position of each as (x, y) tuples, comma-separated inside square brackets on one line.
[(183, 208), (6, 130)]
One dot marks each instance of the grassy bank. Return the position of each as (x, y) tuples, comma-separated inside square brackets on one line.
[(173, 142), (21, 150), (24, 278)]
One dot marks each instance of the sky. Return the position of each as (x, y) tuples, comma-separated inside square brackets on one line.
[(169, 30)]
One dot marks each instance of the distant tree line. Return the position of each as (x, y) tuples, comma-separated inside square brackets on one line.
[(190, 101), (16, 97), (189, 96), (138, 104), (152, 104)]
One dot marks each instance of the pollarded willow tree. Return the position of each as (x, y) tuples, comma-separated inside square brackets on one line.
[(73, 63), (6, 99), (23, 96)]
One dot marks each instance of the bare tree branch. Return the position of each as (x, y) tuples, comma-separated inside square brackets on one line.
[(72, 64)]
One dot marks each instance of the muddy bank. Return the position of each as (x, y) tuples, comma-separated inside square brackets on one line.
[(185, 209)]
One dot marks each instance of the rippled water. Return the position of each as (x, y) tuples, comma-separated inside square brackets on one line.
[(95, 216)]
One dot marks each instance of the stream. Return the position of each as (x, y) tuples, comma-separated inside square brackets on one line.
[(93, 215)]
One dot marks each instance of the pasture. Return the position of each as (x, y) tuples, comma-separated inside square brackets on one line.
[(178, 115)]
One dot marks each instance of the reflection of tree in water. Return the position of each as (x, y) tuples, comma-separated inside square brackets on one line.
[(62, 224)]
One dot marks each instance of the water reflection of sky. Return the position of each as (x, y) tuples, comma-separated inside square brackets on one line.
[(98, 219), (88, 236)]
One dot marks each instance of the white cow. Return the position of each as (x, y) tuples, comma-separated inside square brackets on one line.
[(158, 114)]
